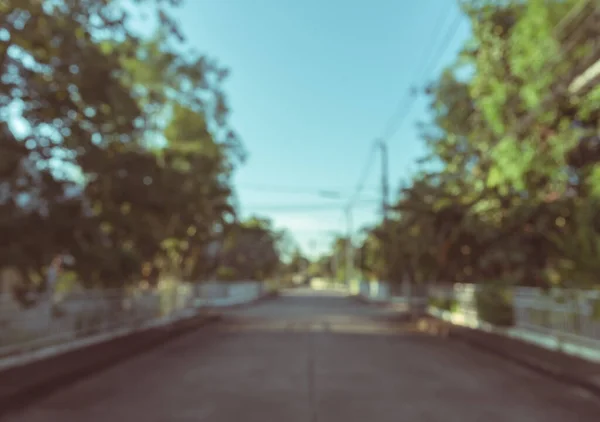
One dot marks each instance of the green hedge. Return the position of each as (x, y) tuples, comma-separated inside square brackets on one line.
[(494, 305), (442, 303)]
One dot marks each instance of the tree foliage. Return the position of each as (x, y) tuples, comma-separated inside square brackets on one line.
[(514, 139), (250, 251), (114, 148)]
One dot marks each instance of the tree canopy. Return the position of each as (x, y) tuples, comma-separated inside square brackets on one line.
[(115, 148), (251, 251), (509, 190)]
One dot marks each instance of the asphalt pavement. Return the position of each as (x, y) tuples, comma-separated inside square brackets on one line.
[(314, 357)]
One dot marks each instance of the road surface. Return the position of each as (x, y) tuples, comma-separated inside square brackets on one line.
[(314, 358)]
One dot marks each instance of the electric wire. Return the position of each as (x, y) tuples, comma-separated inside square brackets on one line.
[(397, 118)]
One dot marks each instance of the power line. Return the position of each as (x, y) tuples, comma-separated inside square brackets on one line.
[(451, 33), (328, 191), (396, 121), (305, 207), (550, 97), (398, 117), (319, 231), (405, 104), (525, 122), (392, 127), (364, 175)]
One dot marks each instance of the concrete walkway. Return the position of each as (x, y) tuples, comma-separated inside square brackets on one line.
[(314, 357)]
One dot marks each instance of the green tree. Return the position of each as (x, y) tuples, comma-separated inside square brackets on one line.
[(122, 156), (250, 251), (507, 194)]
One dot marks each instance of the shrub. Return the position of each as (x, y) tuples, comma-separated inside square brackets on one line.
[(442, 303), (494, 305)]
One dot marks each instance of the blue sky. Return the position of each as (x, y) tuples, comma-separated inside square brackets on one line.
[(312, 84)]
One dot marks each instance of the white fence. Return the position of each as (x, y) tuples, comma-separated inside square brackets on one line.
[(60, 320), (381, 291), (227, 294), (570, 316), (559, 319)]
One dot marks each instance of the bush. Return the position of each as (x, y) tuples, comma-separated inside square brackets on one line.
[(494, 305), (442, 303)]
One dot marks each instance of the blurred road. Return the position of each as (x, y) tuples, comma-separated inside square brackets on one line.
[(314, 357)]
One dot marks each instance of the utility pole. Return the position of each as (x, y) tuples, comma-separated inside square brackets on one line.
[(385, 176), (385, 179), (349, 245), (356, 257), (334, 266)]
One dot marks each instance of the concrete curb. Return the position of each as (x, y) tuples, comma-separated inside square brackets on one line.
[(379, 303), (361, 299), (267, 296), (571, 370), (21, 385)]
